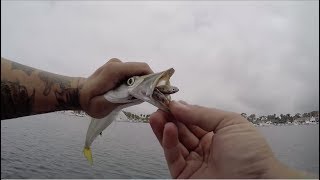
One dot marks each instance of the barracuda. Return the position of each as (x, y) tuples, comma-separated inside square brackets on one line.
[(152, 88)]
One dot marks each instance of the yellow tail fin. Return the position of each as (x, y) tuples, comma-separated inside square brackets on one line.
[(87, 153)]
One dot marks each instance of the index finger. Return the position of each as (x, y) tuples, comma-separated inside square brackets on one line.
[(129, 69), (114, 72), (209, 119)]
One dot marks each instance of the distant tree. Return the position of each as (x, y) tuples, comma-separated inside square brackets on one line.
[(277, 120), (258, 120), (263, 118), (314, 113), (244, 115), (282, 119), (289, 118), (282, 116), (271, 118), (128, 114), (296, 116), (305, 115), (252, 118)]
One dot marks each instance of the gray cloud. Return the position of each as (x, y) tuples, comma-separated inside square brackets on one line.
[(254, 57)]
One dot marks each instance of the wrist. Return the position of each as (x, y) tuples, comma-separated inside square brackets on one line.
[(81, 95)]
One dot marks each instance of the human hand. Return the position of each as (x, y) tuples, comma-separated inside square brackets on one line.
[(202, 142), (104, 79)]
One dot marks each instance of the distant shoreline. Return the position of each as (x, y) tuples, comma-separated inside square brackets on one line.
[(310, 124), (139, 119)]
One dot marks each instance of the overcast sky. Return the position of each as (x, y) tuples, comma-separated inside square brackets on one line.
[(254, 57)]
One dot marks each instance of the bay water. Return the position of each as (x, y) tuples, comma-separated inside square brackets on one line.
[(50, 146)]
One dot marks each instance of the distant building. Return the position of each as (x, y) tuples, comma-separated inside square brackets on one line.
[(264, 118), (301, 120), (313, 120)]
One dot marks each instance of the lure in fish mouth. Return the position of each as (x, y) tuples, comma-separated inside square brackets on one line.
[(152, 88)]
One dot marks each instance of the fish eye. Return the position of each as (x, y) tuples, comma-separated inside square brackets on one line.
[(130, 81)]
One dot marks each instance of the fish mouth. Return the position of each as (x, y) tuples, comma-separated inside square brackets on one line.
[(164, 78), (155, 89), (161, 90)]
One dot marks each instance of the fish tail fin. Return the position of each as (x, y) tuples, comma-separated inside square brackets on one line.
[(87, 153)]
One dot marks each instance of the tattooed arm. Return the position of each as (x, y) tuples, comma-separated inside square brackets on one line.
[(28, 91)]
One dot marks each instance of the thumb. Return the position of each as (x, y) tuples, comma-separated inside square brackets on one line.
[(99, 107), (209, 119)]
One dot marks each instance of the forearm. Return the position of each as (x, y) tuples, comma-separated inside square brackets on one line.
[(26, 91)]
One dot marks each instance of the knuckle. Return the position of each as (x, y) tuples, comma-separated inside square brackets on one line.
[(112, 67), (145, 65), (114, 60)]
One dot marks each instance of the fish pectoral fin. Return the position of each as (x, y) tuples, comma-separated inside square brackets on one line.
[(87, 153)]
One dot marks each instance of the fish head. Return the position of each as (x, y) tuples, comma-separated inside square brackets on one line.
[(121, 95), (138, 89), (145, 88)]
